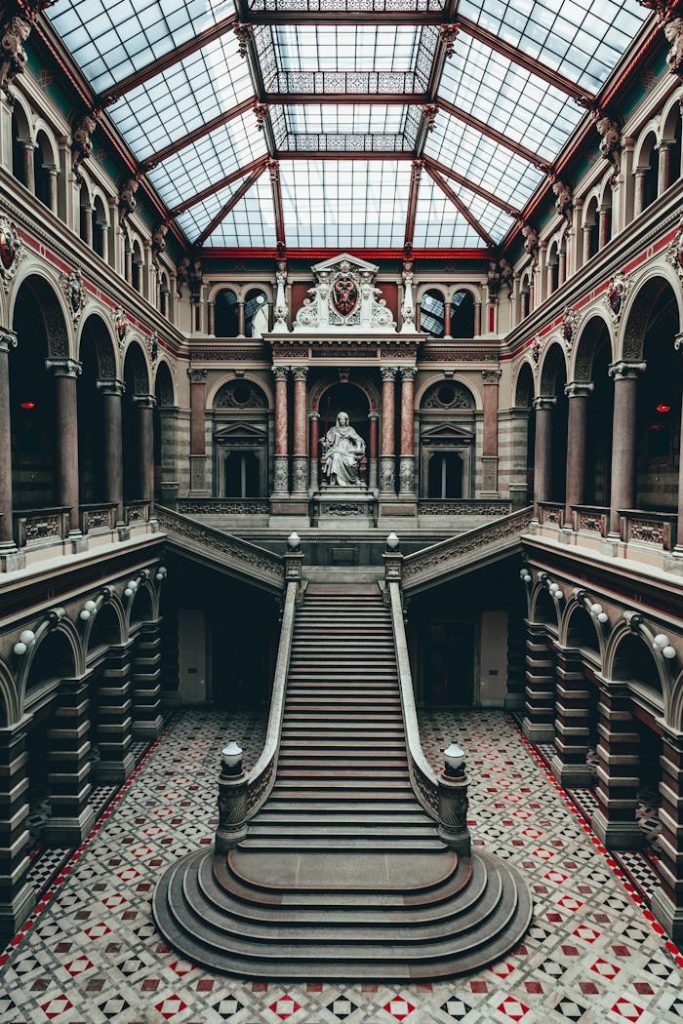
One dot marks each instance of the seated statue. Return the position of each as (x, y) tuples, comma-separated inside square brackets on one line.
[(343, 449)]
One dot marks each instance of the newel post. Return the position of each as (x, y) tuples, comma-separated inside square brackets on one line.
[(453, 802), (232, 800)]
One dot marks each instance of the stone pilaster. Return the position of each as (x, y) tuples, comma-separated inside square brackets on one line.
[(65, 372), (387, 467), (314, 418), (489, 483), (198, 483), (618, 771), (17, 897), (572, 722), (407, 462), (667, 901), (114, 719), (68, 776), (147, 720), (539, 694)]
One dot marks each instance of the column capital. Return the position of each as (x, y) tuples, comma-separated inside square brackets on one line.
[(623, 370), (314, 416), (8, 339), (545, 402), (388, 372), (144, 401), (408, 372), (579, 389), (64, 367), (373, 415), (197, 376), (110, 387), (491, 376), (299, 372), (281, 372)]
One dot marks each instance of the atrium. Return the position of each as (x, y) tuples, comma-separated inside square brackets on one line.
[(341, 511)]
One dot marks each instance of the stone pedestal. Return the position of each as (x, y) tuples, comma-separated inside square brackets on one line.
[(344, 508)]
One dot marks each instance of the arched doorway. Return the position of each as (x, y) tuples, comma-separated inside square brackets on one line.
[(138, 428), (98, 373), (447, 434), (551, 428), (525, 432), (240, 440)]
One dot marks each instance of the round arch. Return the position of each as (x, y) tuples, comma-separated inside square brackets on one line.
[(164, 388), (648, 292), (426, 383), (553, 370), (579, 629), (104, 629), (593, 332), (9, 696), (46, 298), (630, 658), (258, 382), (363, 385), (524, 388), (136, 369), (542, 608), (142, 606), (56, 652), (94, 330)]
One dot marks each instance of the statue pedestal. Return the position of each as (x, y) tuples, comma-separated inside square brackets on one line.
[(344, 507)]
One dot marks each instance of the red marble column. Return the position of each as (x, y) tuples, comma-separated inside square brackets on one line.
[(65, 372), (300, 438), (447, 314), (407, 464), (577, 425), (388, 455), (315, 449), (281, 461), (625, 376), (8, 340)]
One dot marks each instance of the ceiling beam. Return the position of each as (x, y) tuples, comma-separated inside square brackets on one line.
[(548, 74), (198, 133), (416, 18), (216, 186), (231, 203), (280, 238), (345, 154), (460, 206), (466, 183), (392, 99), (493, 133), (175, 55), (412, 204)]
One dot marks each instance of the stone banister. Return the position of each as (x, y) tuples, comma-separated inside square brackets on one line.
[(467, 550)]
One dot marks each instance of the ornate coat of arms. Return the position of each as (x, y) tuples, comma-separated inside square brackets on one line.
[(72, 285), (11, 250), (345, 294), (120, 325)]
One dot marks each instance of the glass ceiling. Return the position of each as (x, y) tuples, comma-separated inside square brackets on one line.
[(172, 80)]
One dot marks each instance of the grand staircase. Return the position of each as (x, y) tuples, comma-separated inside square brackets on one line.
[(342, 873)]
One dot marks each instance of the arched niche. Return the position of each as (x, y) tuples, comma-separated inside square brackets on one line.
[(226, 314), (462, 314), (98, 364), (106, 631), (165, 418), (240, 440), (553, 379), (447, 426), (592, 358), (581, 632), (432, 312), (526, 429)]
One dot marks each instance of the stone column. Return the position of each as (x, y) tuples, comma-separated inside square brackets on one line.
[(447, 314), (539, 693), (281, 461), (477, 319), (625, 376), (144, 405), (314, 418), (197, 431), (147, 720), (577, 422), (112, 391), (17, 897), (240, 318), (114, 720), (373, 417), (639, 197), (29, 167), (572, 722), (8, 340), (603, 227), (586, 231), (65, 372), (300, 434), (614, 822), (543, 449), (407, 463), (667, 900), (68, 778), (387, 470), (212, 318), (489, 483), (52, 198), (86, 225)]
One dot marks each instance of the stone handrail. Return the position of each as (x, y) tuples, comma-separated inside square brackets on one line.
[(37, 526), (260, 566), (656, 528), (422, 777), (439, 561), (262, 776)]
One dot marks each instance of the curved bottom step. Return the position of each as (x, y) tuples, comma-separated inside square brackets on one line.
[(470, 917)]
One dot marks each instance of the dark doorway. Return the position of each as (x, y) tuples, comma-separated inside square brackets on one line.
[(241, 475), (449, 664), (445, 475)]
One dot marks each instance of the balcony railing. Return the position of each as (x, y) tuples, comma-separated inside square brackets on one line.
[(551, 513), (590, 519), (135, 512), (657, 529), (98, 518), (36, 527), (223, 506), (463, 507)]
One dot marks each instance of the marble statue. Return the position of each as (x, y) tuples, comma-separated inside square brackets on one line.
[(343, 448)]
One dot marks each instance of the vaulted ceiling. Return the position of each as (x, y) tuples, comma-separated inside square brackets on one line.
[(346, 123)]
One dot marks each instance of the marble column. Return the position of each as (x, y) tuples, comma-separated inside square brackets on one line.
[(489, 482), (614, 822), (625, 376), (112, 391), (86, 226), (68, 756), (477, 319), (300, 434), (147, 720), (52, 198), (198, 483), (314, 418), (572, 722), (539, 694), (603, 226), (8, 340), (543, 449), (65, 372), (667, 900), (240, 318), (639, 197), (212, 318), (447, 315), (577, 424), (17, 896), (387, 470), (29, 167), (373, 418), (281, 460), (587, 232), (144, 405), (114, 719), (407, 462)]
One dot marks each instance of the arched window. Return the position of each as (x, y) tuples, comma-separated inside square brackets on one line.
[(136, 267), (462, 314), (226, 314), (432, 313), (46, 173), (646, 175), (22, 148), (100, 229), (254, 300), (525, 298), (164, 295), (590, 230)]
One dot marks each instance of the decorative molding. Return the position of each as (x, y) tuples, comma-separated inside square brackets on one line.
[(72, 286), (12, 251)]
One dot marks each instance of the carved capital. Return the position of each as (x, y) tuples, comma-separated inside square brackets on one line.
[(579, 389), (544, 402), (491, 376), (197, 376), (299, 372), (281, 372), (8, 339), (64, 367), (408, 373), (623, 370), (388, 373), (111, 387), (144, 401)]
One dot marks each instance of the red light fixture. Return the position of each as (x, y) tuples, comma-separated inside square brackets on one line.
[(663, 408), (27, 406)]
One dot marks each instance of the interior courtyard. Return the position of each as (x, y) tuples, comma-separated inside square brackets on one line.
[(341, 573)]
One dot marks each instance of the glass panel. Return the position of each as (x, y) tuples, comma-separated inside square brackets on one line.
[(483, 161), (252, 222), (355, 128), (438, 223), (110, 40), (195, 219), (184, 97), (346, 48), (344, 203), (346, 5), (210, 159), (580, 38), (507, 97), (494, 220)]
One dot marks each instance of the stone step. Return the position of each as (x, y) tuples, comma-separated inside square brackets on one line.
[(307, 843)]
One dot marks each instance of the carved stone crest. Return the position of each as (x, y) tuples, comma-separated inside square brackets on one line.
[(153, 345), (345, 294), (570, 322), (120, 325), (72, 286), (15, 32), (616, 293), (536, 350), (11, 250)]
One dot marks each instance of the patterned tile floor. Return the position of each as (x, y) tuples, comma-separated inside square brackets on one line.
[(91, 954)]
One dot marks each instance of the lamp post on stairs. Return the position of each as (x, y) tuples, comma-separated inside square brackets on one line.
[(453, 802), (232, 800)]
